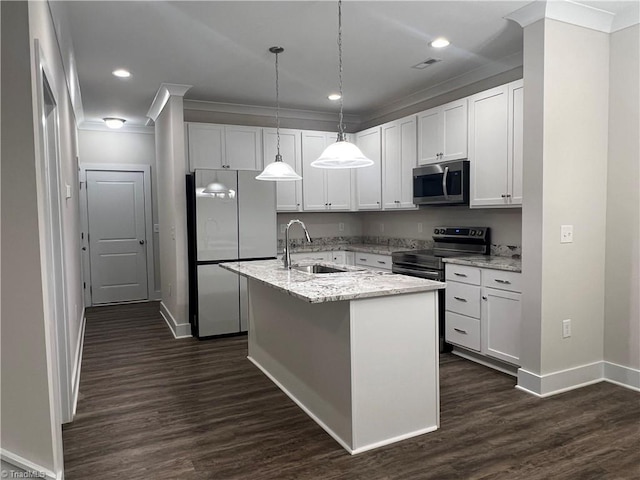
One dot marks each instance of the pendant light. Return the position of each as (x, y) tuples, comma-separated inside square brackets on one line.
[(341, 154), (216, 189), (278, 171)]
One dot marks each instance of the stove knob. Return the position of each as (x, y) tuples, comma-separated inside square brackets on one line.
[(436, 231)]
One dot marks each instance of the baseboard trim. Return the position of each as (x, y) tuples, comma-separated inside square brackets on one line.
[(32, 469), (620, 375), (75, 386), (577, 377), (179, 330), (486, 361)]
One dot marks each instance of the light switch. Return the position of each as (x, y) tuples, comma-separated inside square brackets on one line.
[(156, 228), (566, 234)]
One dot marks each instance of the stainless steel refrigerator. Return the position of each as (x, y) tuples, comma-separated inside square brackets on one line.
[(233, 220)]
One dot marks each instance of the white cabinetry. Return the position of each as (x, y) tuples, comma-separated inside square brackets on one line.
[(224, 146), (483, 311), (322, 189), (374, 261), (399, 158), (288, 194), (442, 133), (315, 256), (368, 179), (495, 146)]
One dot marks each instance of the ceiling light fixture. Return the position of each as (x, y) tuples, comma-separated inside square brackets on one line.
[(218, 190), (121, 73), (113, 122), (334, 96), (440, 42), (278, 171), (341, 154)]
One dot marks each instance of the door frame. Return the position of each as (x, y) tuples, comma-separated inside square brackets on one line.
[(84, 224)]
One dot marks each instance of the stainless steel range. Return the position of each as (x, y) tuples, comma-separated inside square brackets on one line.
[(447, 242)]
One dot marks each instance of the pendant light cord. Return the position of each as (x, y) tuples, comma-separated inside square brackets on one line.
[(340, 124), (277, 109)]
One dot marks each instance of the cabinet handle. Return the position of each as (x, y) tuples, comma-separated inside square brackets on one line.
[(504, 282), (329, 204), (484, 298), (503, 196), (460, 274), (459, 330), (378, 203), (508, 195), (460, 299), (297, 204), (363, 259), (382, 262)]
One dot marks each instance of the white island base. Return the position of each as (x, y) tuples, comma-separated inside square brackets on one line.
[(366, 370)]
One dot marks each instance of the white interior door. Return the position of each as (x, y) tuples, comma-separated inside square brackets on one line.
[(117, 236)]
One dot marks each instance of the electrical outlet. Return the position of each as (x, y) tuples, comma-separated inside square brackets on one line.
[(156, 228), (283, 227), (68, 191), (566, 233), (341, 227), (419, 227), (566, 328)]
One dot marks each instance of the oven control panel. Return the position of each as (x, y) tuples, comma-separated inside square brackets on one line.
[(476, 233)]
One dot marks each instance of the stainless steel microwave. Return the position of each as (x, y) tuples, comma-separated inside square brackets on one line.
[(445, 183)]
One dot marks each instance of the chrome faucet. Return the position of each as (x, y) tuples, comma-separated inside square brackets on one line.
[(286, 258)]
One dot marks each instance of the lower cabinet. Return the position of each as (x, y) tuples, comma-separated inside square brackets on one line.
[(337, 256), (374, 261), (483, 311)]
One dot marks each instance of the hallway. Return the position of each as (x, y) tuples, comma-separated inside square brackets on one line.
[(158, 408)]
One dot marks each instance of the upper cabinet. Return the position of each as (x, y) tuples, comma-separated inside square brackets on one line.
[(322, 189), (215, 146), (399, 158), (369, 179), (495, 146), (288, 194), (442, 133)]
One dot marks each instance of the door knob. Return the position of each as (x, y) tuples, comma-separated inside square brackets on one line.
[(141, 242)]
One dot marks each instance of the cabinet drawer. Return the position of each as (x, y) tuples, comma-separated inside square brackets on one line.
[(373, 260), (463, 331), (502, 280), (462, 273), (312, 256), (463, 299)]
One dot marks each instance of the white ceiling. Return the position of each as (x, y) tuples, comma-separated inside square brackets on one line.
[(221, 49)]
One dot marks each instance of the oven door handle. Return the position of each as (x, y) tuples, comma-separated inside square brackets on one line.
[(416, 273), (444, 183)]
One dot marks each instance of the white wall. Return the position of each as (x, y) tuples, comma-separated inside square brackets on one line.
[(172, 170), (122, 147), (622, 288), (30, 420), (506, 225), (565, 184)]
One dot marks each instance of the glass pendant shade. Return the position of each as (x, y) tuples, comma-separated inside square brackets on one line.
[(218, 190), (279, 171), (342, 154)]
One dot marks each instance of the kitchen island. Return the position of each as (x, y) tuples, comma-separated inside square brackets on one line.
[(357, 350)]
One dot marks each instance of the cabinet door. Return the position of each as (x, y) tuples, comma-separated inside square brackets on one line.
[(368, 179), (289, 194), (500, 323), (313, 179), (206, 145), (243, 147), (408, 160), (429, 136), (454, 121), (488, 147), (339, 257), (338, 187), (516, 127), (312, 256), (391, 170)]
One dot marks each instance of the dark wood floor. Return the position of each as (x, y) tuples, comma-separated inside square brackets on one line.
[(154, 407)]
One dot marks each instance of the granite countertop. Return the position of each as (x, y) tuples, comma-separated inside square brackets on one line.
[(488, 261), (354, 283)]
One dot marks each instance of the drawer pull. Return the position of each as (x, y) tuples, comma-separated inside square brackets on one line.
[(459, 330), (504, 282), (460, 299), (460, 274), (363, 259), (484, 298), (382, 262)]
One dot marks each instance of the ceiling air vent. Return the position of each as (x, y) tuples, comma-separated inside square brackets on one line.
[(426, 63)]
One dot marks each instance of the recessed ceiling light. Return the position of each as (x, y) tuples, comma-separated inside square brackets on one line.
[(113, 122), (334, 96), (121, 73), (439, 43)]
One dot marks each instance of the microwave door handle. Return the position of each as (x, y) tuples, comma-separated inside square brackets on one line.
[(444, 183)]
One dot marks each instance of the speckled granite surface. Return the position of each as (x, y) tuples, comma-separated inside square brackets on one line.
[(353, 284), (488, 261), (352, 247)]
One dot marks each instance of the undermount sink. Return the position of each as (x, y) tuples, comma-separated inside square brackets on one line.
[(317, 268)]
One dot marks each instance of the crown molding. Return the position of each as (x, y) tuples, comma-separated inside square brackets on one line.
[(165, 91), (575, 13), (101, 127), (241, 109)]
